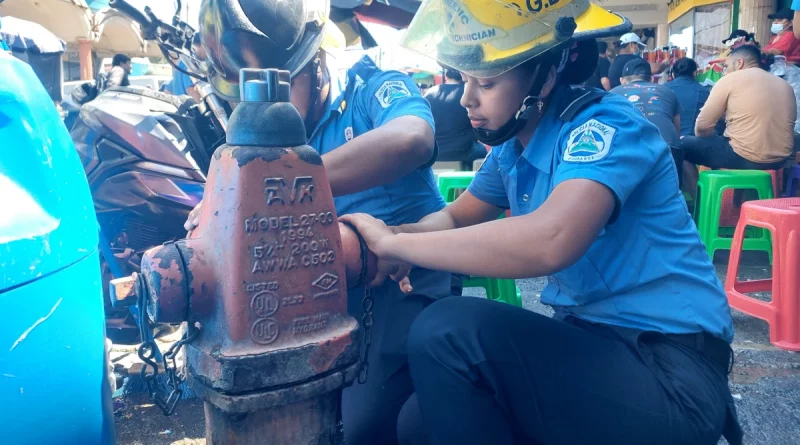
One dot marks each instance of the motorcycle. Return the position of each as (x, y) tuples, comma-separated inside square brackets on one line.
[(146, 155)]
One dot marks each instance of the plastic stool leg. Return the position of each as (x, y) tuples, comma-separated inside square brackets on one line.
[(509, 292), (731, 280), (785, 333), (702, 210), (710, 214)]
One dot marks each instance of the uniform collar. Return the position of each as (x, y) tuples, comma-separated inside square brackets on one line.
[(540, 149), (336, 99)]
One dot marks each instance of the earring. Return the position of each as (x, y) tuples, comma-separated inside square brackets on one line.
[(539, 105)]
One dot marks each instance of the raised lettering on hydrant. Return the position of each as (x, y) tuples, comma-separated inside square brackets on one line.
[(265, 274)]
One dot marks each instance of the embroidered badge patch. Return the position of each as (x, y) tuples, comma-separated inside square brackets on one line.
[(390, 91), (589, 142)]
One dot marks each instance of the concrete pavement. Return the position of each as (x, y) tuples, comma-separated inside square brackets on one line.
[(765, 382)]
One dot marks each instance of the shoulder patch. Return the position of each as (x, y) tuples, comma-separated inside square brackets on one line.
[(589, 142), (390, 91)]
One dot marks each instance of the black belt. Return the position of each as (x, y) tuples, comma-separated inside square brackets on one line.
[(712, 347)]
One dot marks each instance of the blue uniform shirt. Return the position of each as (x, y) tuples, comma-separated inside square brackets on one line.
[(180, 81), (372, 98), (648, 269)]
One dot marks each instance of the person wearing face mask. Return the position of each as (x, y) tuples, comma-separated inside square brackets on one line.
[(783, 43), (631, 47)]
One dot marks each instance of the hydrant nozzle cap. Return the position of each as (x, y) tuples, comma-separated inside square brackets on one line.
[(267, 85)]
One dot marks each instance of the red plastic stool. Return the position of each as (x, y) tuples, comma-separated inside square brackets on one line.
[(782, 218), (730, 211)]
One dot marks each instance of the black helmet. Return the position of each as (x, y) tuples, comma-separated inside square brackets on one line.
[(259, 34)]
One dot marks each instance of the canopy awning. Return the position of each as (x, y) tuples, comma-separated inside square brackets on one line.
[(24, 36), (349, 15)]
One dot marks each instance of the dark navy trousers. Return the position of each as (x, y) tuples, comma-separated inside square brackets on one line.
[(370, 410), (489, 373)]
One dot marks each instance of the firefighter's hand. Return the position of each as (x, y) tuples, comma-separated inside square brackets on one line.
[(374, 231), (395, 271), (194, 219)]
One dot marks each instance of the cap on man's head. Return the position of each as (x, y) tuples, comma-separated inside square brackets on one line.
[(637, 67), (736, 34), (630, 37), (783, 14)]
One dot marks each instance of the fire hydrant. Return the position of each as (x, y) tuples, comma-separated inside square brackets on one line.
[(265, 275)]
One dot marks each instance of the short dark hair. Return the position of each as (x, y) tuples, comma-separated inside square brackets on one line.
[(120, 59), (575, 71), (637, 68), (602, 47), (453, 74), (748, 53), (684, 67)]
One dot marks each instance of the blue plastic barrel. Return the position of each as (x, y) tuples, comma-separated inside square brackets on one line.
[(54, 383)]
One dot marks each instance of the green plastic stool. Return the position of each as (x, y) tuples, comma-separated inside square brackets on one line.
[(708, 207), (450, 182), (497, 289)]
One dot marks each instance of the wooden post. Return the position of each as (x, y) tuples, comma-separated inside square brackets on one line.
[(85, 59), (662, 35), (753, 18)]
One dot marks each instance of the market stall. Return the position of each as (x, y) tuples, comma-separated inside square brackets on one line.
[(41, 49), (700, 26)]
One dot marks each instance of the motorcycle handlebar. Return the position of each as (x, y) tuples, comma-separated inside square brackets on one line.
[(131, 11)]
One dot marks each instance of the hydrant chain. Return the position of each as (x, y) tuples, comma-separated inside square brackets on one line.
[(366, 305)]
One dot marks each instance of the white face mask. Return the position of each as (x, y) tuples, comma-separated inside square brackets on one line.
[(776, 28)]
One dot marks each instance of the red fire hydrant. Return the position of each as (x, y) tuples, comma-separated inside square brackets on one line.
[(264, 275)]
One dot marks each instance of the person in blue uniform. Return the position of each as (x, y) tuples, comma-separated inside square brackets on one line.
[(182, 82), (376, 138), (638, 351)]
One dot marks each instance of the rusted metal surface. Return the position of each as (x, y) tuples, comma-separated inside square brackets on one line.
[(256, 401), (309, 422), (166, 279), (265, 274), (124, 292), (267, 251)]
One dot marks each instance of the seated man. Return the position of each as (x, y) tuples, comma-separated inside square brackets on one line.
[(658, 103), (760, 112)]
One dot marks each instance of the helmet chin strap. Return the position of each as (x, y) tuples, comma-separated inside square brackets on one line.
[(310, 121), (520, 119)]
